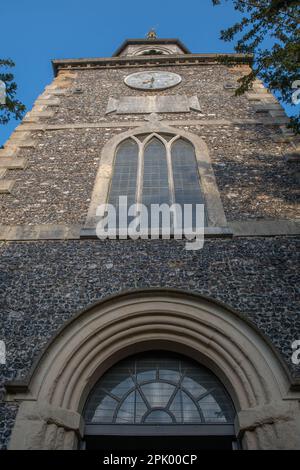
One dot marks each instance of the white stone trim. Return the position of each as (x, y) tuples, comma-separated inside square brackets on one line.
[(255, 228), (131, 124)]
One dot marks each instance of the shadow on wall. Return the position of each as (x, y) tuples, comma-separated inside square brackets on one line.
[(262, 186)]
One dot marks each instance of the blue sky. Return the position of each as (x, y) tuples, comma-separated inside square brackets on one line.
[(33, 32)]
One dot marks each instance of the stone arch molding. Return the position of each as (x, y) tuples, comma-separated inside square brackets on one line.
[(214, 208), (52, 400), (143, 49)]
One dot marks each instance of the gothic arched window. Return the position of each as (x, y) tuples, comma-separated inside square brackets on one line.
[(155, 189), (124, 181), (185, 173), (159, 388), (156, 169)]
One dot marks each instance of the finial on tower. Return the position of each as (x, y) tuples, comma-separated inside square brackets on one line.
[(152, 34)]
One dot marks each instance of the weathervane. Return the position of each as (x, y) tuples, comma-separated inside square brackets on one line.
[(152, 34)]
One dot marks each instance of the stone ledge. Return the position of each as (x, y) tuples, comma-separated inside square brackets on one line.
[(6, 186), (210, 232), (30, 127), (13, 163), (34, 126), (2, 172), (39, 232), (143, 61), (265, 228), (257, 228), (72, 232)]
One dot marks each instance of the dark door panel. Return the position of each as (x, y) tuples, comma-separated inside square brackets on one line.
[(159, 444)]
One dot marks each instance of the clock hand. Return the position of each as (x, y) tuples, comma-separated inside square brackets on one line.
[(150, 81)]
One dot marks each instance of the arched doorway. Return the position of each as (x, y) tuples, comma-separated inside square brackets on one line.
[(53, 398), (159, 400)]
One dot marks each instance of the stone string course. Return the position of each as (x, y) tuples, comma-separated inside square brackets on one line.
[(44, 284), (248, 228)]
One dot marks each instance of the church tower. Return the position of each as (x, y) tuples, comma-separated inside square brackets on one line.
[(114, 339)]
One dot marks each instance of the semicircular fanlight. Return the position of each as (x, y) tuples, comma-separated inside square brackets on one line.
[(159, 388)]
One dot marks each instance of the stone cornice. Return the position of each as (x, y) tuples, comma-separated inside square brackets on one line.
[(237, 229), (33, 126), (152, 61)]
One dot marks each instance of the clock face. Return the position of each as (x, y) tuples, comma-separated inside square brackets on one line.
[(152, 80)]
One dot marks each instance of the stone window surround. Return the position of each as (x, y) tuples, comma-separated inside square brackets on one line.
[(52, 399), (216, 219), (142, 145)]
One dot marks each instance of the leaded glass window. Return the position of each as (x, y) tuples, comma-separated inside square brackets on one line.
[(185, 174), (159, 388), (124, 179), (156, 169), (187, 188), (155, 180)]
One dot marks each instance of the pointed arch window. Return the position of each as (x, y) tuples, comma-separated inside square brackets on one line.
[(156, 169), (185, 173), (155, 188), (124, 180)]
